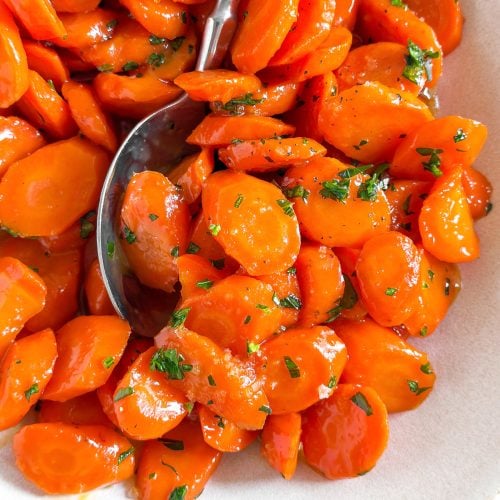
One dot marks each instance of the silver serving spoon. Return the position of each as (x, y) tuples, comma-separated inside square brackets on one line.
[(156, 143)]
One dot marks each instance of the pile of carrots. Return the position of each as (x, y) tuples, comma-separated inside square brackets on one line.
[(318, 228)]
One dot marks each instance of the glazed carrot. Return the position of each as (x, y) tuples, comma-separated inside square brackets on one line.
[(38, 17), (320, 281), (14, 81), (166, 19), (437, 146), (327, 57), (73, 62), (46, 109), (46, 62), (24, 373), (97, 297), (59, 271), (196, 274), (369, 121), (76, 236), (133, 97), (257, 208), (89, 116), (286, 287), (19, 139), (313, 25), (191, 174), (234, 312), (216, 376), (344, 436), (85, 346), (222, 434), (75, 6), (478, 190), (146, 406), (382, 21), (438, 288), (383, 62), (154, 222), (217, 131), (274, 99), (280, 442), (82, 410), (401, 374), (30, 186), (326, 185), (61, 458), (300, 367), (22, 295), (262, 32), (444, 17), (313, 97), (445, 222), (346, 12), (217, 84), (388, 271), (177, 466)]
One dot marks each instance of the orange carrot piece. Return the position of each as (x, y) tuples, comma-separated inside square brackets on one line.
[(30, 186), (235, 312), (75, 6), (478, 190), (346, 12), (22, 295), (19, 139), (401, 374), (269, 154), (24, 373), (280, 442), (85, 345), (236, 200), (222, 434), (62, 458), (262, 32), (217, 131), (76, 236), (155, 223), (216, 376), (15, 80), (368, 122), (345, 435), (445, 222), (300, 367), (179, 464), (98, 301)]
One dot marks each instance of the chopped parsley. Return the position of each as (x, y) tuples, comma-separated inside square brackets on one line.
[(211, 381), (368, 190), (180, 492), (172, 444), (170, 362), (110, 249), (129, 236), (348, 301), (252, 347), (234, 105), (130, 66), (460, 135), (335, 189), (179, 317), (332, 382), (418, 63), (192, 248), (156, 59), (108, 362), (105, 68), (205, 284), (86, 226), (220, 421), (176, 43), (31, 391), (174, 252), (264, 308), (427, 369), (239, 201), (291, 302), (291, 366), (153, 217), (123, 393), (156, 40), (247, 320), (287, 207), (124, 455), (360, 400), (214, 229), (414, 387), (391, 292), (265, 409), (434, 162), (297, 192)]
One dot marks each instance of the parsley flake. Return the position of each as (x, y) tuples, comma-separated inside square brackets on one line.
[(124, 455), (205, 284), (130, 237), (360, 400), (287, 207), (297, 192), (335, 189), (178, 493), (108, 362), (179, 317), (31, 391), (123, 393), (252, 347), (434, 162), (418, 63), (170, 362), (414, 387), (172, 444), (291, 366), (214, 229)]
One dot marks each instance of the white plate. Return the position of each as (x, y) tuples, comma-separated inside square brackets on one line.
[(449, 448)]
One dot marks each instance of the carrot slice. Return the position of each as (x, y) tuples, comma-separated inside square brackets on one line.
[(401, 374), (346, 12), (216, 377), (369, 121), (262, 32), (22, 295), (146, 406), (177, 466), (85, 345), (345, 435), (300, 367), (478, 190), (19, 139), (236, 200), (388, 271), (222, 434), (234, 312), (25, 371), (75, 6), (217, 131), (269, 154), (88, 115), (95, 292), (46, 109), (30, 186), (154, 226), (62, 458), (280, 442), (445, 222)]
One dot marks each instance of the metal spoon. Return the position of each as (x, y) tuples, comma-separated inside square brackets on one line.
[(156, 143)]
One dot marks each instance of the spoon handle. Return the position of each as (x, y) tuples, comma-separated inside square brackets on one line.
[(219, 30)]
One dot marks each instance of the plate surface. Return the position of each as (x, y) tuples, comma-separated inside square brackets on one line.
[(449, 448)]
